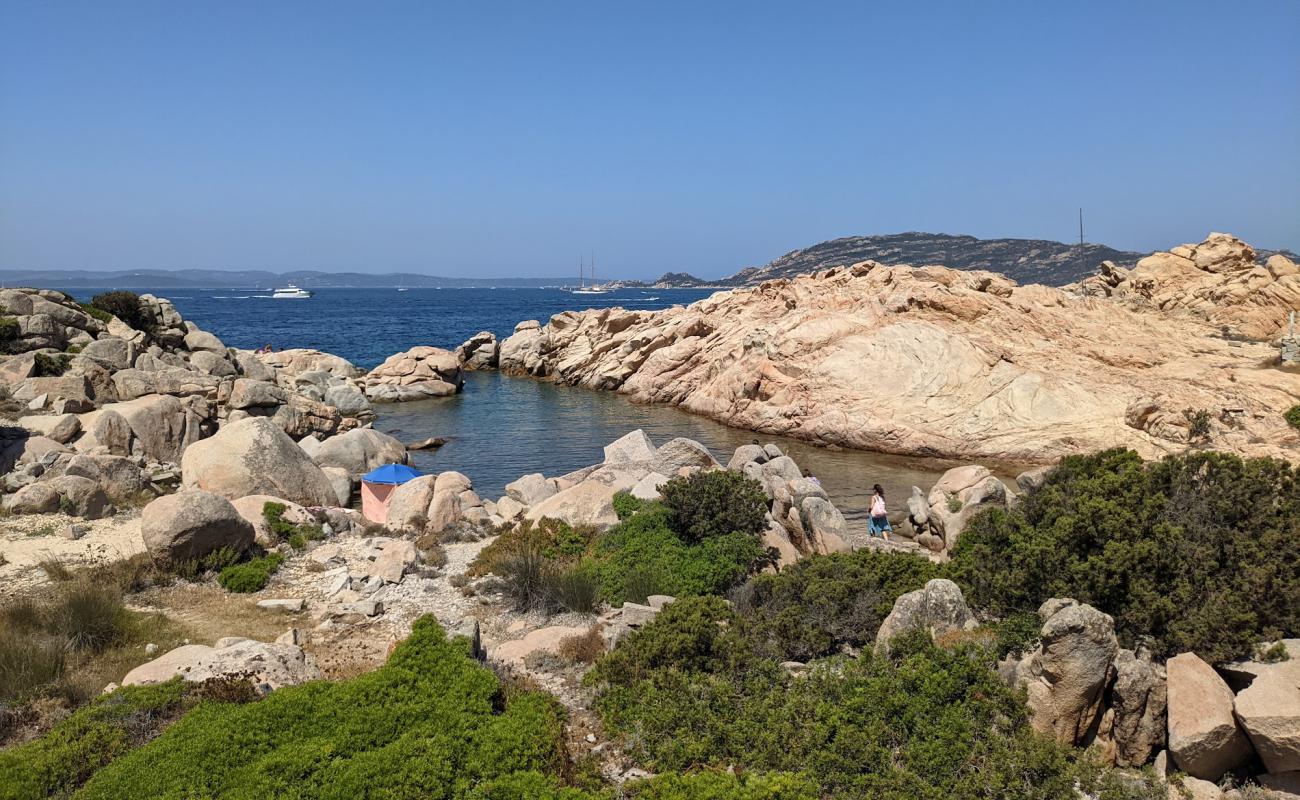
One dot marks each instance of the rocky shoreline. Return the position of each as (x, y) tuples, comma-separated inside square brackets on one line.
[(931, 361)]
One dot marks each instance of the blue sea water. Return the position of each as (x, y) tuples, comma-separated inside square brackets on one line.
[(366, 326), (502, 427)]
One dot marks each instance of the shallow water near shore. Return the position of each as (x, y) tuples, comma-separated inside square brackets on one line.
[(502, 427)]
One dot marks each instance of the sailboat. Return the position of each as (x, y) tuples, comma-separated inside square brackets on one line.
[(582, 283)]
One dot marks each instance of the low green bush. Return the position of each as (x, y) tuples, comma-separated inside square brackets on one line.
[(625, 505), (60, 761), (250, 576), (643, 551), (50, 365), (552, 539), (709, 504), (98, 313), (813, 607), (1292, 417), (9, 333), (124, 305), (1196, 551), (430, 723), (689, 691)]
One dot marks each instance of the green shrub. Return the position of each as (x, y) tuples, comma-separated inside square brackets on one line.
[(572, 590), (250, 576), (552, 539), (812, 608), (85, 742), (431, 722), (625, 505), (98, 313), (1196, 551), (1273, 653), (125, 306), (1292, 417), (525, 572), (50, 366), (643, 551), (89, 616), (1198, 424), (9, 333), (710, 504), (28, 661), (1016, 633), (688, 692)]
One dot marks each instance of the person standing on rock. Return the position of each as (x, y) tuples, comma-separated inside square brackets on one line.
[(878, 520)]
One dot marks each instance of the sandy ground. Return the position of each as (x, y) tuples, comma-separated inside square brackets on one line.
[(28, 539)]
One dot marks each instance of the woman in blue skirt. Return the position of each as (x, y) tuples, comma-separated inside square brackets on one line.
[(878, 521)]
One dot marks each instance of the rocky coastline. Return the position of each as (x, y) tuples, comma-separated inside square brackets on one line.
[(153, 448), (930, 361)]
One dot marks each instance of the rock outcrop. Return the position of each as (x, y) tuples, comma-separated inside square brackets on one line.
[(1204, 739), (190, 524), (479, 351), (1218, 280), (1067, 674), (269, 665), (938, 609), (417, 374), (1268, 707), (970, 365), (254, 456)]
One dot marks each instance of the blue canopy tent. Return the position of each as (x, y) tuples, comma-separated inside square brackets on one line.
[(377, 487)]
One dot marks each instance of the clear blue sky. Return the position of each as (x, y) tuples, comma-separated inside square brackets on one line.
[(495, 139)]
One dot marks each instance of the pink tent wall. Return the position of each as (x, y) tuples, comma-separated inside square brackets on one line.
[(374, 500)]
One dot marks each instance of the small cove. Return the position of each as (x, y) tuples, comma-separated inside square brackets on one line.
[(502, 427)]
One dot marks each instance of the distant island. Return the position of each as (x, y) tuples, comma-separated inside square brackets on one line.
[(1022, 260)]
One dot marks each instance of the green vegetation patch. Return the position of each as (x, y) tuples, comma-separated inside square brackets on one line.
[(812, 608), (124, 305), (49, 365), (431, 723), (706, 505), (690, 691), (250, 576), (1292, 417), (1196, 551)]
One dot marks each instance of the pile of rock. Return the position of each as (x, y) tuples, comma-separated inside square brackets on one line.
[(1218, 279), (801, 520), (480, 351), (417, 374), (938, 518), (438, 503)]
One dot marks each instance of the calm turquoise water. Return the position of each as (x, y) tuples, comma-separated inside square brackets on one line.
[(500, 427)]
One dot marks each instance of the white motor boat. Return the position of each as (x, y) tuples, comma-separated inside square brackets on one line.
[(291, 292)]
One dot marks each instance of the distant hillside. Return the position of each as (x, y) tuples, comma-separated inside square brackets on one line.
[(250, 279), (1023, 260)]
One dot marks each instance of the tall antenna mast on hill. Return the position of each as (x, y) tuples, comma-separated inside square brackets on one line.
[(1081, 227)]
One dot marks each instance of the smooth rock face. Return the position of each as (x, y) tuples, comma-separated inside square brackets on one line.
[(648, 487), (547, 640), (979, 367), (1269, 709), (253, 456), (632, 448), (359, 451), (938, 608), (1204, 739), (80, 496), (531, 489), (62, 428), (190, 524), (1066, 676), (269, 665), (824, 525), (589, 503), (682, 453), (408, 506)]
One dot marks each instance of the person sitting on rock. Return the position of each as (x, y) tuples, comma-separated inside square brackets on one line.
[(878, 520), (808, 474)]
